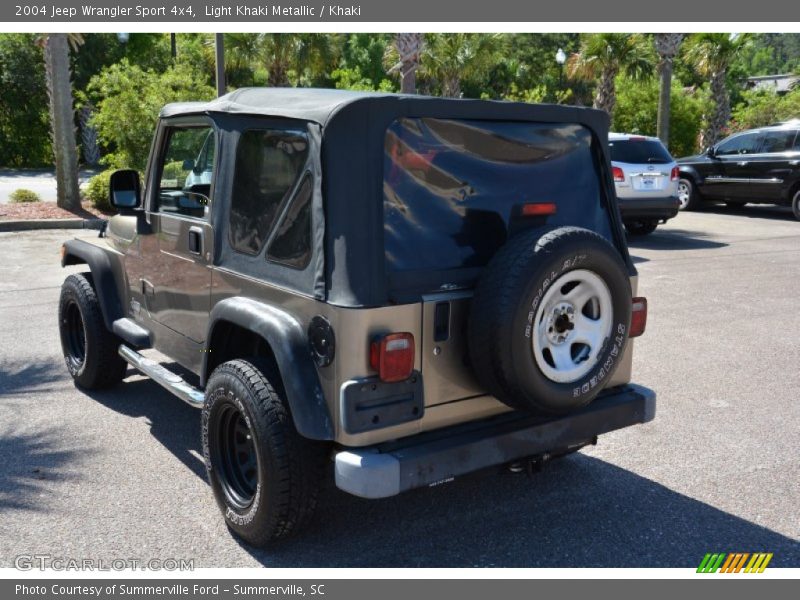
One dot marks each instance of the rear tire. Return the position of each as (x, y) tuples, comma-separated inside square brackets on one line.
[(796, 204), (643, 227), (90, 349), (264, 475), (688, 195)]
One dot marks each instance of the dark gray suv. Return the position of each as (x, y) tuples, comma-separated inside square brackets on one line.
[(756, 166)]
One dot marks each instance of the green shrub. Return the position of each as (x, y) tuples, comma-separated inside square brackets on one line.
[(128, 100), (23, 195), (637, 112), (764, 107), (97, 190), (174, 171)]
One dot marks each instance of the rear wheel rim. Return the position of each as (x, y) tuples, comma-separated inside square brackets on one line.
[(684, 193), (236, 457), (571, 325), (75, 335)]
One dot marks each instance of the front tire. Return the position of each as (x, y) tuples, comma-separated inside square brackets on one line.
[(90, 349), (264, 475), (688, 195)]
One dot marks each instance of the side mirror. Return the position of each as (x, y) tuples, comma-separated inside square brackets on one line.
[(125, 190), (188, 165), (711, 152)]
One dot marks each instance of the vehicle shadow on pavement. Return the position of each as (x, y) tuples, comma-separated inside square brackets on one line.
[(674, 239), (30, 461), (173, 423), (579, 512)]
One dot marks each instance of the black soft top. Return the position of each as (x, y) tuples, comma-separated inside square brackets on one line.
[(322, 106), (348, 130)]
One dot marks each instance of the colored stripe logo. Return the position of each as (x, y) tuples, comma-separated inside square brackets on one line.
[(735, 562)]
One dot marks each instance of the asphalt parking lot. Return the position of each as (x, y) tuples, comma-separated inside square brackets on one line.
[(118, 474)]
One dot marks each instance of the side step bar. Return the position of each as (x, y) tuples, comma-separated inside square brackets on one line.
[(163, 377)]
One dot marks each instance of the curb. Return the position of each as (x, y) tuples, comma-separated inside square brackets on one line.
[(31, 224)]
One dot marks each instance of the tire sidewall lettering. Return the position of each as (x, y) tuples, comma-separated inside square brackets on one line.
[(247, 516)]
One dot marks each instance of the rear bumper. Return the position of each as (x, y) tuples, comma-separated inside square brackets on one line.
[(648, 208), (438, 456)]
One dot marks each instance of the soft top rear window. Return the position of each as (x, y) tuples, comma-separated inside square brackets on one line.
[(639, 152), (453, 189)]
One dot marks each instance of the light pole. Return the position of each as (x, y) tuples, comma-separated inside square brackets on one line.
[(561, 58), (219, 54)]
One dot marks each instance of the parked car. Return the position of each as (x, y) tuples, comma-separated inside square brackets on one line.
[(646, 180), (375, 287), (757, 166)]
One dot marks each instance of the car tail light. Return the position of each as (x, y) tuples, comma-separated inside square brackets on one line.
[(392, 356), (618, 174), (536, 209), (638, 316), (674, 174)]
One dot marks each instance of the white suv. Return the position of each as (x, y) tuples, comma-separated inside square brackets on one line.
[(646, 180)]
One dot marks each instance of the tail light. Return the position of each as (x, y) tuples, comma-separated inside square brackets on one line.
[(675, 174), (392, 356), (537, 209), (638, 317), (618, 174)]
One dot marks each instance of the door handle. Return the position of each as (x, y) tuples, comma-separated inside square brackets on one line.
[(794, 163), (196, 240), (742, 163)]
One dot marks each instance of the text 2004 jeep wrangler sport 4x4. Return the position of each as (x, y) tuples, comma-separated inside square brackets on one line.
[(410, 288)]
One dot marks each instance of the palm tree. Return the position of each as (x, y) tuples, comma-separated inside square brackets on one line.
[(62, 115), (667, 45), (450, 58), (307, 56), (242, 50), (603, 56), (403, 54), (711, 55)]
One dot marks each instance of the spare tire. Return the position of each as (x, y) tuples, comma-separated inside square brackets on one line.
[(549, 319)]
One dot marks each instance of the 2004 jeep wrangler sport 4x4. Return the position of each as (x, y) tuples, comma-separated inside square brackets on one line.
[(406, 288)]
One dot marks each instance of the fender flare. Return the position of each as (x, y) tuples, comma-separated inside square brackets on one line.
[(78, 252), (286, 338)]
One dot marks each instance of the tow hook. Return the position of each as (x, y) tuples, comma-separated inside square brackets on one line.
[(535, 464), (530, 465)]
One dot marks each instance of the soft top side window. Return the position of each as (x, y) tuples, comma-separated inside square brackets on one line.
[(269, 163), (291, 245)]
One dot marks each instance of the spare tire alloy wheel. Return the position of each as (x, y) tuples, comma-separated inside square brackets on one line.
[(550, 319)]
